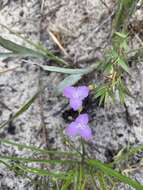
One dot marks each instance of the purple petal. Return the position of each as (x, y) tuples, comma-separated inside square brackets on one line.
[(85, 133), (72, 129), (75, 103), (82, 92), (83, 119), (69, 92)]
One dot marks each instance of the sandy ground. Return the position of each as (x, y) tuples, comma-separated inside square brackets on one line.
[(84, 27)]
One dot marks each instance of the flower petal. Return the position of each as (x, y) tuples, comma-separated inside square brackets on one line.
[(69, 92), (82, 92), (85, 133), (83, 119), (72, 129), (75, 103)]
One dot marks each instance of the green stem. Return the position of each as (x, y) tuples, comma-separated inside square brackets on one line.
[(83, 151), (93, 181)]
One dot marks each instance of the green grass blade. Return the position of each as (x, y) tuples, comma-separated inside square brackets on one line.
[(36, 149), (100, 90), (81, 175), (41, 172), (39, 47), (21, 110), (76, 178), (126, 153), (66, 185), (18, 49), (32, 160), (32, 181), (112, 173), (124, 10), (102, 182), (69, 71), (120, 60), (84, 183), (4, 163), (123, 64), (68, 181), (93, 181)]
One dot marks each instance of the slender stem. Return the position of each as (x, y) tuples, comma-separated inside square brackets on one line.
[(93, 181), (83, 151)]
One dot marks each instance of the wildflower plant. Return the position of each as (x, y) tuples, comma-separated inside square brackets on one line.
[(80, 127), (81, 171), (76, 95)]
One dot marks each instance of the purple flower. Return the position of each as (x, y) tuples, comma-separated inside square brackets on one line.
[(76, 95), (80, 127)]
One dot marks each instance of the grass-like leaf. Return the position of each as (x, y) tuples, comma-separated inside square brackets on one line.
[(36, 149), (68, 70), (21, 110), (124, 10), (66, 184), (112, 173), (32, 160), (19, 50), (102, 181), (42, 172), (119, 60), (100, 90), (125, 153), (38, 46)]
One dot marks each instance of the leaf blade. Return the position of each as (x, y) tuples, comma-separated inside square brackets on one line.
[(108, 171), (18, 49), (68, 81)]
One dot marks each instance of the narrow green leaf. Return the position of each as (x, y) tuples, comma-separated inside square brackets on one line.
[(112, 173), (68, 81), (6, 164), (102, 182), (21, 110), (84, 183), (102, 99), (66, 184), (93, 180), (125, 153), (124, 10), (62, 70), (120, 61), (36, 149), (124, 88), (42, 172), (39, 47), (100, 90), (123, 64), (68, 70), (18, 49), (68, 181), (121, 96), (81, 175), (32, 160), (76, 177), (122, 34)]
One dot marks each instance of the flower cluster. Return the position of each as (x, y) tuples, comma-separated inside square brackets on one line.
[(80, 127)]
